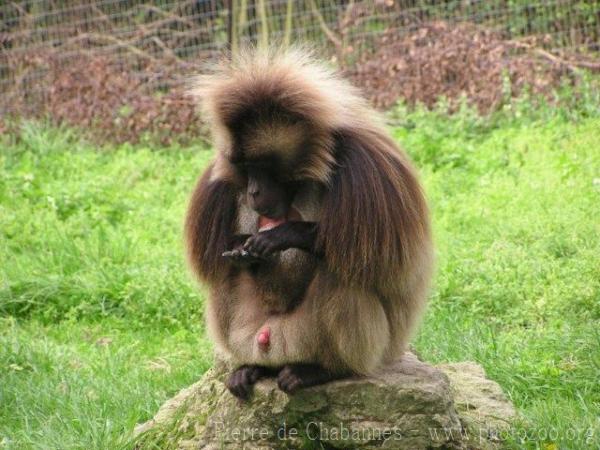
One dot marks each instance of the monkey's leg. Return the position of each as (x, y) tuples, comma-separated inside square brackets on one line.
[(292, 234), (242, 380), (342, 329), (295, 376)]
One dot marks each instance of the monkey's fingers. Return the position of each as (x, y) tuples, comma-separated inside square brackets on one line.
[(259, 245), (242, 257), (235, 253)]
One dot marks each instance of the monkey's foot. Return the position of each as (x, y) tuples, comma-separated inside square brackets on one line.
[(243, 378), (295, 376)]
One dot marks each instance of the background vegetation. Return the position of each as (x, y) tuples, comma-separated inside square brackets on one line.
[(120, 69), (100, 321)]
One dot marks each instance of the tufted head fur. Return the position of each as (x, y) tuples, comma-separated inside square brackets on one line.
[(280, 105)]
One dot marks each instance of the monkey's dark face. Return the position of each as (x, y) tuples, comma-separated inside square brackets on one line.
[(267, 193), (263, 153)]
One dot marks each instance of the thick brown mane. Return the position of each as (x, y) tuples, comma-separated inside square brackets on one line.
[(289, 90), (374, 212)]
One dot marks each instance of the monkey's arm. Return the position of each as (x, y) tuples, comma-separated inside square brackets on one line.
[(301, 235)]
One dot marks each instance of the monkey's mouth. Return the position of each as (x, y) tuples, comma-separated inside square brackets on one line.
[(267, 223)]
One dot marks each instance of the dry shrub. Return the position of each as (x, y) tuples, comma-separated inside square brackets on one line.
[(120, 105), (439, 59), (128, 96), (109, 101), (116, 73)]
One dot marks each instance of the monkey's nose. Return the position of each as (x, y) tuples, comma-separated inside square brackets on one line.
[(254, 193)]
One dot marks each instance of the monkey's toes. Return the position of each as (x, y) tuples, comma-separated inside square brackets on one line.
[(242, 380), (289, 381)]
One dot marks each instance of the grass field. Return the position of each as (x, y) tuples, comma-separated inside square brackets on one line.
[(100, 321)]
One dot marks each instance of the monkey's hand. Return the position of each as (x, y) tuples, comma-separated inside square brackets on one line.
[(300, 235)]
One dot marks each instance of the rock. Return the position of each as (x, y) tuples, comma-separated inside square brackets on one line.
[(480, 402), (408, 405)]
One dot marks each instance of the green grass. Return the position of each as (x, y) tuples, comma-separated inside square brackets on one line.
[(100, 321)]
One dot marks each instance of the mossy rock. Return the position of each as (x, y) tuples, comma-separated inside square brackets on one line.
[(407, 405)]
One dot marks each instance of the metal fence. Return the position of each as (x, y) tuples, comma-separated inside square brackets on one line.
[(39, 37)]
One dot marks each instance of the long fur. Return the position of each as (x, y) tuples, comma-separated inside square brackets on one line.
[(209, 226), (374, 213), (373, 226)]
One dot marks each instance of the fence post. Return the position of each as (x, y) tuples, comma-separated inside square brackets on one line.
[(229, 24)]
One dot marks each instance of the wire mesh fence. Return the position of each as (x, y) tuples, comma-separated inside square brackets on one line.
[(60, 56)]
